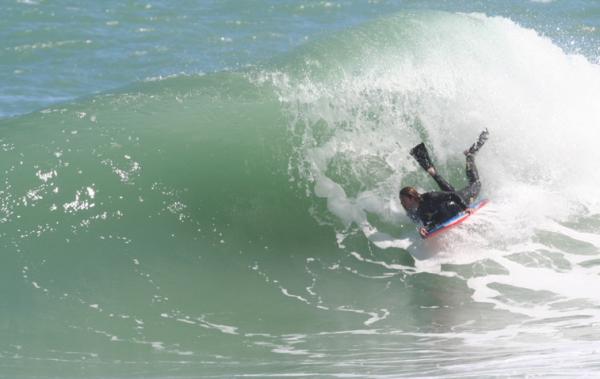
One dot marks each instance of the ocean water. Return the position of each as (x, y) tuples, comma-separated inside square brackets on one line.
[(209, 189)]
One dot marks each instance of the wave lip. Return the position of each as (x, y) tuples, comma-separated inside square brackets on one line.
[(188, 216), (361, 99)]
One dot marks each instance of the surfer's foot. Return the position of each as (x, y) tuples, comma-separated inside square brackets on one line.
[(477, 145)]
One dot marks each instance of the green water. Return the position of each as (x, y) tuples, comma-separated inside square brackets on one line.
[(245, 223)]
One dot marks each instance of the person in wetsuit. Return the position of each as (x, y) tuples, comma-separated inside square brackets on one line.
[(433, 208)]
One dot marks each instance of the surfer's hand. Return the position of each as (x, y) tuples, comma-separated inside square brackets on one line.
[(431, 171), (469, 211), (423, 232)]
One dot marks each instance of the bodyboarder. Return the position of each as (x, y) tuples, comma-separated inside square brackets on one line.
[(433, 208)]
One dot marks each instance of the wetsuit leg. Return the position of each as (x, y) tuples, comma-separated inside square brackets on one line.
[(442, 183), (471, 191)]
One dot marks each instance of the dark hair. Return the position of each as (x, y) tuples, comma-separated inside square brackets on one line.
[(410, 192)]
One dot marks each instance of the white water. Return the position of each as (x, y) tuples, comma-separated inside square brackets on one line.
[(467, 73), (443, 78)]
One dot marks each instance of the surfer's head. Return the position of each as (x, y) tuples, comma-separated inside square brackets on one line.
[(410, 198)]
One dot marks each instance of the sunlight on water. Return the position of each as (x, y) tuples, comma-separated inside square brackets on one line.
[(228, 207)]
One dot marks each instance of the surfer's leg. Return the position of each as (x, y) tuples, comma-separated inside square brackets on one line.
[(421, 154), (471, 191), (483, 136), (442, 183)]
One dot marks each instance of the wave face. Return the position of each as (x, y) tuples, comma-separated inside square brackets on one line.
[(372, 94), (248, 223)]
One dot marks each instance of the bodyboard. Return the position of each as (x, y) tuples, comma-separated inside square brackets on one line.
[(456, 220)]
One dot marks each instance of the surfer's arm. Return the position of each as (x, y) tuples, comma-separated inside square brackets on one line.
[(422, 227), (414, 217), (441, 182)]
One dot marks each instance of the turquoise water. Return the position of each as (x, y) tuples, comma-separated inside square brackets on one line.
[(209, 189)]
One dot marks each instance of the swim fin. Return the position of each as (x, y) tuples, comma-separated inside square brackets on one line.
[(420, 153), (480, 141)]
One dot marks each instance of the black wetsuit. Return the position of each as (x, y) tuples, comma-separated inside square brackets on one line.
[(439, 206)]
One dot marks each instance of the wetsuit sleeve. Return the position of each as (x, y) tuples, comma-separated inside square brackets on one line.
[(414, 216), (442, 183)]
